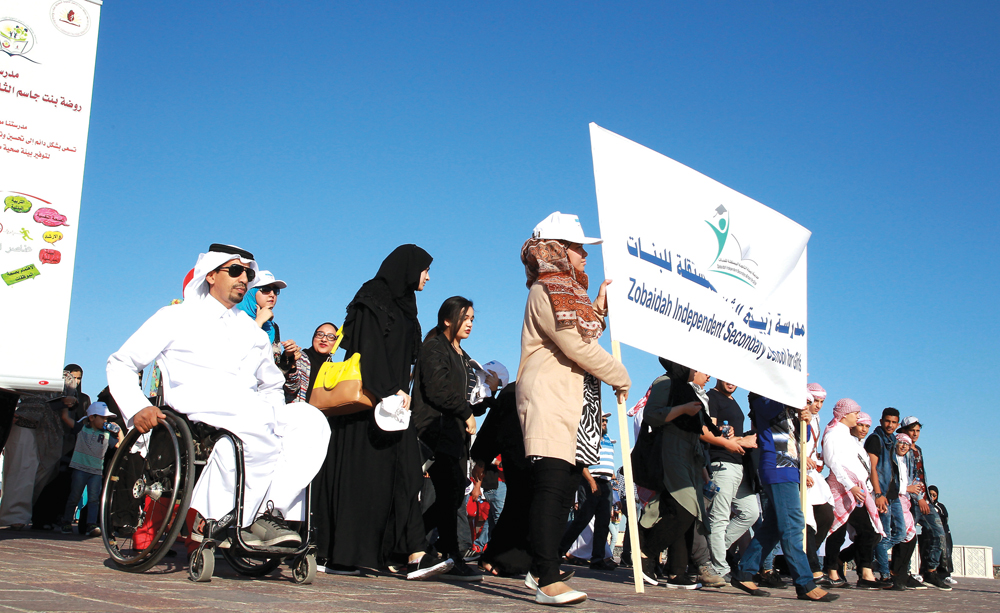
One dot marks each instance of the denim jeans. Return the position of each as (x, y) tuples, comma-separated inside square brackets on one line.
[(81, 481), (931, 523), (496, 499), (894, 525), (782, 522)]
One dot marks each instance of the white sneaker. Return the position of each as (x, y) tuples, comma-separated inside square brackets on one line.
[(950, 580)]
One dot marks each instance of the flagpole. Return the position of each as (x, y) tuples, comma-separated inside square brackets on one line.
[(630, 515), (803, 466)]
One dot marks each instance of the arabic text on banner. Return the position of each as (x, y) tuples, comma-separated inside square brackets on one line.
[(47, 55), (704, 275)]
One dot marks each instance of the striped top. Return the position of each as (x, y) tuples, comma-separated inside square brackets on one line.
[(605, 469)]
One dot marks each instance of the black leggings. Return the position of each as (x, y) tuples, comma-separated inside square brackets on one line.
[(555, 483), (824, 519), (448, 477), (864, 541), (672, 531)]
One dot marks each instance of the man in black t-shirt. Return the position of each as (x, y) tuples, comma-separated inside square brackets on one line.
[(734, 508)]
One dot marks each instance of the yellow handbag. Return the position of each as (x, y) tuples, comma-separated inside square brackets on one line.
[(338, 389)]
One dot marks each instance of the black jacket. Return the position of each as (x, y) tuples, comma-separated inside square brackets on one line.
[(440, 401)]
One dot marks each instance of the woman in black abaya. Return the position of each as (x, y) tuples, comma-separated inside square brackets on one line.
[(366, 493)]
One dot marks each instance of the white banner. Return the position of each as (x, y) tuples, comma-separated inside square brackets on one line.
[(703, 275), (47, 54)]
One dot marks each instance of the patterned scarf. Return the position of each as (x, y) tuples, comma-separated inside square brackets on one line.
[(546, 262)]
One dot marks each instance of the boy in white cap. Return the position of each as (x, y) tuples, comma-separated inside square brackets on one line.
[(93, 435)]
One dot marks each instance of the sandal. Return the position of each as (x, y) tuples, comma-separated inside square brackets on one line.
[(487, 568)]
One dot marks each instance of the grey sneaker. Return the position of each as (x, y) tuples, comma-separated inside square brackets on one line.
[(271, 529)]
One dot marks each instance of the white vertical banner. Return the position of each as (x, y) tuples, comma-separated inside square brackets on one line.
[(47, 54), (703, 275)]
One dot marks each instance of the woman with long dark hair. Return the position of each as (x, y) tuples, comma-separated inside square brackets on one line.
[(445, 419), (558, 388), (367, 490)]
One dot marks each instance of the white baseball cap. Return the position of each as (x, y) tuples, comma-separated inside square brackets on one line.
[(390, 414), (501, 371), (266, 278), (565, 227)]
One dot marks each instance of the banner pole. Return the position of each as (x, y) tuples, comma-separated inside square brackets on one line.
[(803, 467), (633, 521)]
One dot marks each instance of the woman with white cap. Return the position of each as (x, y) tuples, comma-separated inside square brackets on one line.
[(259, 303), (561, 365)]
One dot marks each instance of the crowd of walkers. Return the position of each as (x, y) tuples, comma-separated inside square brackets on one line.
[(718, 498)]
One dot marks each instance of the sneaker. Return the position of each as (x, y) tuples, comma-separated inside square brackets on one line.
[(682, 582), (936, 581), (708, 578), (67, 529), (950, 581), (867, 584), (472, 554), (96, 531), (603, 565), (428, 566), (271, 529), (461, 572), (913, 584)]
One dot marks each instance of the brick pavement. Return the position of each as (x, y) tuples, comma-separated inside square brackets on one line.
[(52, 572)]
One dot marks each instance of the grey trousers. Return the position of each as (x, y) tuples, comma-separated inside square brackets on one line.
[(734, 510)]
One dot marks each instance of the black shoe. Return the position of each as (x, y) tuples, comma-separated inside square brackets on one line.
[(471, 554), (913, 584), (649, 571), (826, 597), (461, 572), (866, 584), (603, 565), (837, 583), (682, 582), (823, 582), (771, 579), (429, 565), (932, 578), (753, 592), (898, 584)]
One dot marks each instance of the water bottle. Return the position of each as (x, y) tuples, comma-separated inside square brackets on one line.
[(111, 427), (727, 430), (710, 490)]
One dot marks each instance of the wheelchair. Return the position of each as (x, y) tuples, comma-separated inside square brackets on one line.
[(147, 494)]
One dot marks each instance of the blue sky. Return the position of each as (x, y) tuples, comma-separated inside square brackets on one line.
[(322, 135)]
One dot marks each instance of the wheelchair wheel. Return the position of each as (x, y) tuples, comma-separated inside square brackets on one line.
[(146, 496), (250, 567), (202, 565), (304, 569)]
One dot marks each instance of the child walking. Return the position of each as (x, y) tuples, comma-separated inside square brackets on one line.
[(93, 436)]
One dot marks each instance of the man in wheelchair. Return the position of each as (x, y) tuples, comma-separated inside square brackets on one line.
[(217, 368)]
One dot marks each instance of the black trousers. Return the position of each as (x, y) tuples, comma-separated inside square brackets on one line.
[(555, 482), (864, 542), (901, 554), (596, 505), (448, 476), (824, 519), (673, 531)]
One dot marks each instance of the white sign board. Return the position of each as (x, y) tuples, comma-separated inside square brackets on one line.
[(703, 275), (47, 54)]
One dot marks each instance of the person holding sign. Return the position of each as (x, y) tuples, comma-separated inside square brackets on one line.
[(558, 350)]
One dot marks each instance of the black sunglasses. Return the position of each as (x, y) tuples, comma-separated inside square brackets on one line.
[(267, 289), (235, 270)]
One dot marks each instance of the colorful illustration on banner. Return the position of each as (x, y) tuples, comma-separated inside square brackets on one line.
[(49, 256), (666, 260), (734, 257), (19, 204), (52, 237), (25, 235), (70, 18), (20, 274), (16, 38), (50, 217)]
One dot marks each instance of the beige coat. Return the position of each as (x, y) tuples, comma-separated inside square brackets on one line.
[(550, 379)]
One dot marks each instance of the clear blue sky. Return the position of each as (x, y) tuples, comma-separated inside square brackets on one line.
[(321, 135)]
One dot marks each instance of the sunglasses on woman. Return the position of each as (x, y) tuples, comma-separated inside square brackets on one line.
[(267, 289), (235, 270)]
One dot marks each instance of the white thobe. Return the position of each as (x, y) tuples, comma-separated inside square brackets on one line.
[(217, 368)]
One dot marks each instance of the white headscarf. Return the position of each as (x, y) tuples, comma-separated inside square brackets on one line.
[(197, 288)]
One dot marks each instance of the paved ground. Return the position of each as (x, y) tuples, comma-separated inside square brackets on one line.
[(50, 572)]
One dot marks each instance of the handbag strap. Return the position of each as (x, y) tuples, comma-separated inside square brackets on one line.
[(340, 337)]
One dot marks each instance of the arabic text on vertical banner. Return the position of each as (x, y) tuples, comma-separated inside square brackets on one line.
[(704, 275), (47, 55)]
